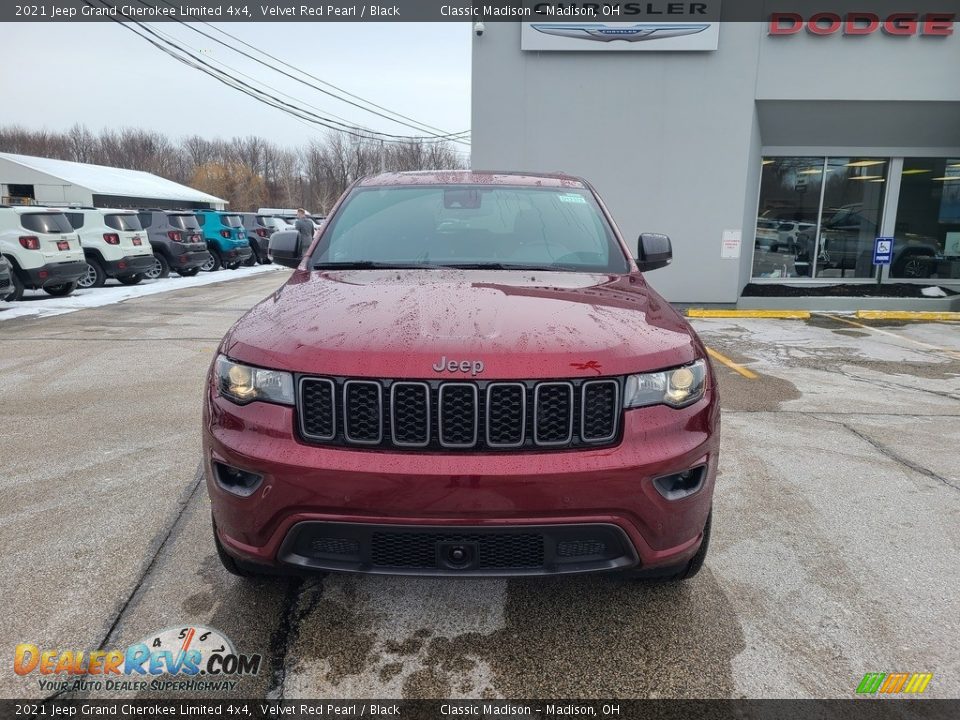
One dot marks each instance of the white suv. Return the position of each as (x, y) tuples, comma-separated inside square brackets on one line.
[(43, 249), (115, 245)]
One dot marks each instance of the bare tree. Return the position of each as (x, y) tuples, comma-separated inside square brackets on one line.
[(246, 171)]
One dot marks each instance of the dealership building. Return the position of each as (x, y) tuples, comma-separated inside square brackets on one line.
[(772, 153)]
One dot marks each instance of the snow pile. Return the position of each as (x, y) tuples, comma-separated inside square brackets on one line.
[(36, 303)]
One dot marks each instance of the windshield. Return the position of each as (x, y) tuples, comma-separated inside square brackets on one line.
[(123, 222), (184, 222), (46, 223), (472, 225), (232, 220)]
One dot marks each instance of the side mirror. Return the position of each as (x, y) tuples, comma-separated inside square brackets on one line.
[(653, 251), (284, 248)]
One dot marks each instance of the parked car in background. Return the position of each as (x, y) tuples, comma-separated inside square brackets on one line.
[(846, 243), (275, 223), (226, 239), (258, 231), (766, 236), (788, 234), (42, 248), (177, 242), (6, 277), (289, 216), (114, 245)]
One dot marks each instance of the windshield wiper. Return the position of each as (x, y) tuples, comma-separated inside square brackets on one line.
[(372, 265), (495, 266)]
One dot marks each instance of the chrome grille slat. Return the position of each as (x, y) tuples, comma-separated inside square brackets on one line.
[(459, 415)]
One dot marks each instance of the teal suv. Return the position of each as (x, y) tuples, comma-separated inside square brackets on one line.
[(226, 239)]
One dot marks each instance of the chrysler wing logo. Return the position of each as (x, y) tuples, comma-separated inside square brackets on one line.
[(631, 33)]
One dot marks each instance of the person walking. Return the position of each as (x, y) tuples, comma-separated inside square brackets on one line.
[(304, 230)]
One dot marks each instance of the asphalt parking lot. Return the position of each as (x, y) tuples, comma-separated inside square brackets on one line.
[(834, 553)]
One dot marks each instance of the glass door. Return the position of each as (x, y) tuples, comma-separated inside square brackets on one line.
[(850, 214)]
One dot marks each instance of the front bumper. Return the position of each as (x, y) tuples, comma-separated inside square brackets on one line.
[(341, 496), (53, 274), (128, 265)]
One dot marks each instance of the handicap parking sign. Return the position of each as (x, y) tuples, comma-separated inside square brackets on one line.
[(882, 251)]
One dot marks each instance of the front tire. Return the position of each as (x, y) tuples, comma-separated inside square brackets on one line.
[(95, 276), (160, 269), (61, 290), (252, 260), (17, 287)]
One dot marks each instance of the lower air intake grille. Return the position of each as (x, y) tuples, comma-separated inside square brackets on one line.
[(419, 550)]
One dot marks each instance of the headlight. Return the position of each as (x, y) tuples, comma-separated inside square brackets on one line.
[(244, 384), (677, 388)]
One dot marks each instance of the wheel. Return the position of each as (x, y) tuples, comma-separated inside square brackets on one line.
[(129, 279), (214, 263), (252, 260), (265, 259), (188, 273), (61, 290), (95, 276), (914, 266), (161, 268), (681, 572), (17, 292)]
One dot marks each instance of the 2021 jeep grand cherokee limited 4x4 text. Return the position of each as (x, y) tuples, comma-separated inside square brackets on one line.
[(466, 374)]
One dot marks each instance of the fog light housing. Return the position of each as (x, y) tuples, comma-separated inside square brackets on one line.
[(236, 481), (682, 484)]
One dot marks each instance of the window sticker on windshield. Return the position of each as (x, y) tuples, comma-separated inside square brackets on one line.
[(572, 198)]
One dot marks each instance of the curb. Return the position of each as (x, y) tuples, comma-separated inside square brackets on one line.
[(918, 315), (774, 314)]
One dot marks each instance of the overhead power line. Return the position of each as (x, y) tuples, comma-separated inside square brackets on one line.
[(185, 57), (412, 124)]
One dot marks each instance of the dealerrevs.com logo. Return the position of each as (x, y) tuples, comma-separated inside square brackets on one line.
[(185, 658)]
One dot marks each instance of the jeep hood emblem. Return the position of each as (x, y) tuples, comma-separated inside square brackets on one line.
[(475, 367)]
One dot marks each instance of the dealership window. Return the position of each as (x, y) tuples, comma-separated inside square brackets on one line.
[(790, 190), (927, 228), (818, 217)]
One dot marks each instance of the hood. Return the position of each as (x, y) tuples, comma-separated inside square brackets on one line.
[(400, 324)]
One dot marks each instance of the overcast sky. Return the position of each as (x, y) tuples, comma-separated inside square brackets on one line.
[(105, 76)]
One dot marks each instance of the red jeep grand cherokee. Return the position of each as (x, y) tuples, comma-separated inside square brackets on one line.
[(466, 375)]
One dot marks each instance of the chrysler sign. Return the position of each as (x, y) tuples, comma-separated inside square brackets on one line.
[(863, 23)]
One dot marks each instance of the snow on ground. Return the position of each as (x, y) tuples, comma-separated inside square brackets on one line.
[(36, 303)]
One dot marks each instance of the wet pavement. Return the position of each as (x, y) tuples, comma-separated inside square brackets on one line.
[(834, 549)]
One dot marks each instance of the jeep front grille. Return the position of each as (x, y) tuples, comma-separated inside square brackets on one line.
[(459, 415)]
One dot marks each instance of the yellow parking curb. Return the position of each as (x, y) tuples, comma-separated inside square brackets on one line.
[(907, 315), (775, 314), (735, 366)]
